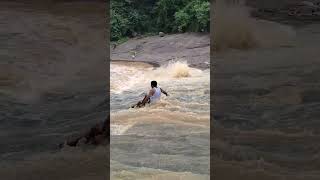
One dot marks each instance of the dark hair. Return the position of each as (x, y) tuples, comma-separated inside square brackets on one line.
[(154, 83)]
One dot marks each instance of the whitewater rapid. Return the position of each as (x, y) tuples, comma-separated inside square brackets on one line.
[(188, 89), (169, 139)]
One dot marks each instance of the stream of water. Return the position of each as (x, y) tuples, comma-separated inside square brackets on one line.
[(169, 139)]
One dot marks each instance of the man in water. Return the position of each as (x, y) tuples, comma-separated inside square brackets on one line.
[(153, 96)]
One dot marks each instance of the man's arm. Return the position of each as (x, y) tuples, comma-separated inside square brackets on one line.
[(164, 92), (151, 92)]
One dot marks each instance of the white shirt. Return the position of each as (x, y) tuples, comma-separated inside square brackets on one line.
[(156, 95)]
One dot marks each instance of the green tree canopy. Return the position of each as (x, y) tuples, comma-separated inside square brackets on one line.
[(151, 16)]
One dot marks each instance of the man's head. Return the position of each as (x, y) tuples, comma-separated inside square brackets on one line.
[(153, 84)]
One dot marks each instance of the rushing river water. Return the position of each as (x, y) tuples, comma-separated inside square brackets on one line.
[(169, 139)]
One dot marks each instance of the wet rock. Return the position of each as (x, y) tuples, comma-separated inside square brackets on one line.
[(195, 46), (97, 135), (161, 34)]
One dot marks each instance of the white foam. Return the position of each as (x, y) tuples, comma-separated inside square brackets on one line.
[(117, 129)]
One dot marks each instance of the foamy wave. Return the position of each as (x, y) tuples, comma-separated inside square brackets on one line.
[(117, 129), (179, 69), (127, 119), (187, 99), (124, 77), (186, 109), (128, 76)]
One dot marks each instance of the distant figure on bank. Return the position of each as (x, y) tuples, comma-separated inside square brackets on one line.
[(133, 55), (153, 96), (114, 46)]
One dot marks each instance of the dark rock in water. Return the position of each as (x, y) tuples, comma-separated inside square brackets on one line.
[(97, 135)]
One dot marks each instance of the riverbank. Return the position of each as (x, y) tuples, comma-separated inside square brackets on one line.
[(194, 48)]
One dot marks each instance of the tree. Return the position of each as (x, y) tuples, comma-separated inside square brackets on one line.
[(152, 16)]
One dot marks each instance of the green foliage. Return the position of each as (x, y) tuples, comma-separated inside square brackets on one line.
[(130, 17), (195, 16), (122, 40), (119, 26), (165, 11)]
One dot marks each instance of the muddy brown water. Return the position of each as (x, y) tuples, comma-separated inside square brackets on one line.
[(266, 105), (52, 86), (169, 139)]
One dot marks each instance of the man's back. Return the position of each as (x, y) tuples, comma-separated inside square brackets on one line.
[(156, 95)]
